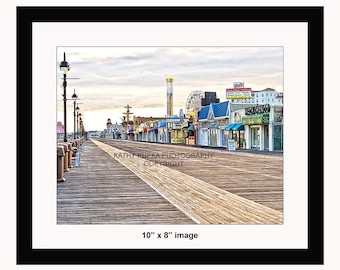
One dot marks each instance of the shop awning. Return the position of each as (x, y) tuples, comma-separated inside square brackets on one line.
[(238, 126), (230, 126), (162, 124)]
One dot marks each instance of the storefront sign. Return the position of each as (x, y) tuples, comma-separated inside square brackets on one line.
[(231, 145), (177, 125), (278, 114), (256, 119), (238, 84), (238, 93), (265, 108)]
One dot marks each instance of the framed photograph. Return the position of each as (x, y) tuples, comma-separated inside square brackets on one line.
[(49, 37)]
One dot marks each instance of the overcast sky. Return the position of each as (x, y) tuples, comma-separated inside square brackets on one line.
[(106, 79)]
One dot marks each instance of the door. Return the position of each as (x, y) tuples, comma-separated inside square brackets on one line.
[(255, 137)]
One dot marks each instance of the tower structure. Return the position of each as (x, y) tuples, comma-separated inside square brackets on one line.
[(108, 123), (169, 95)]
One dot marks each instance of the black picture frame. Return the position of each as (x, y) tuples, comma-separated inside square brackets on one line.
[(26, 15)]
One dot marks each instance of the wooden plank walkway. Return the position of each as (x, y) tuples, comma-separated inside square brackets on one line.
[(102, 191), (202, 202), (256, 177)]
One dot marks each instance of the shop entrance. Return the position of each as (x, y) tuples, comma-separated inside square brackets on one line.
[(255, 137), (278, 137), (266, 137), (213, 137)]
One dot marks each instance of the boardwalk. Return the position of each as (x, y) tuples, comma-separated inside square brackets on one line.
[(123, 182)]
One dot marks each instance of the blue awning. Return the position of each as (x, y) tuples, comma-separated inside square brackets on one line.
[(238, 126), (162, 124), (230, 126), (153, 130)]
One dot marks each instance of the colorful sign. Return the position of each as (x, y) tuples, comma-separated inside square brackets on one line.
[(237, 93), (256, 119)]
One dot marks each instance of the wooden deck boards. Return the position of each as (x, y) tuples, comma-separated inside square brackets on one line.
[(102, 190), (255, 177)]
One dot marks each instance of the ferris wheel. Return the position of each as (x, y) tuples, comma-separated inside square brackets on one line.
[(193, 103)]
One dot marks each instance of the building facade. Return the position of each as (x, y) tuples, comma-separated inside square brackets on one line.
[(263, 127)]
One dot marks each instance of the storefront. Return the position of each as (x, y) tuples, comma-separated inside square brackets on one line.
[(220, 137), (176, 133), (257, 128), (263, 127), (202, 136), (153, 133), (278, 127), (212, 122), (143, 133), (235, 131), (213, 135), (161, 136), (191, 138)]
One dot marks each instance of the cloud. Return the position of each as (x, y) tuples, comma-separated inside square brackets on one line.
[(111, 77)]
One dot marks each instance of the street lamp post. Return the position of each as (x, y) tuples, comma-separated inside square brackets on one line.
[(74, 98), (64, 67), (78, 121), (77, 109), (81, 127)]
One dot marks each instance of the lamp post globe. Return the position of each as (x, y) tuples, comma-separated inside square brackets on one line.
[(64, 65)]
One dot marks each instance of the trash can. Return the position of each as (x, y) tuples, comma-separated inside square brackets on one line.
[(66, 157), (60, 163)]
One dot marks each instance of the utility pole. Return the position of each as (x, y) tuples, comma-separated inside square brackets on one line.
[(127, 112)]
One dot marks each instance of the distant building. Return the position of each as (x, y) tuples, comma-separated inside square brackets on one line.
[(247, 95), (144, 125), (209, 97), (267, 96), (60, 127)]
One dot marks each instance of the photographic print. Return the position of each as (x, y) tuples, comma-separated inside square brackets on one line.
[(173, 137), (162, 153)]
